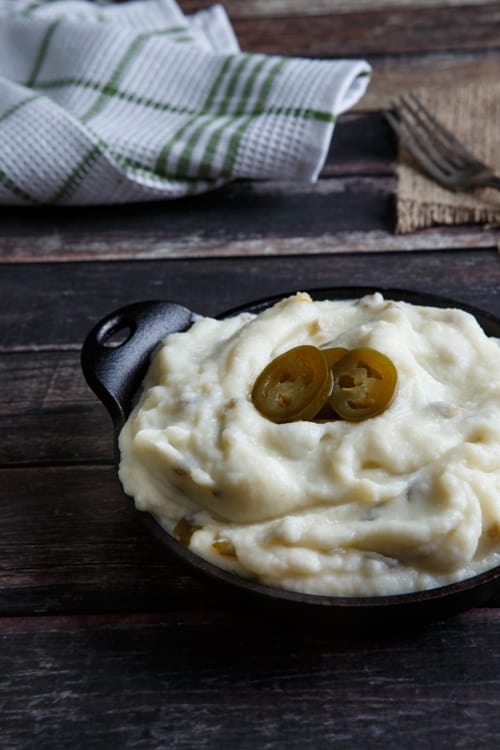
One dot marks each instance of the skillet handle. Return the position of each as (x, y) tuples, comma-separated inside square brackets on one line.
[(116, 352)]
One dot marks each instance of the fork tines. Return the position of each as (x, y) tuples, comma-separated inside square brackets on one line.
[(434, 147)]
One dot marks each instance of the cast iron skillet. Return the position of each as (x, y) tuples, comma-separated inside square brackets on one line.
[(115, 358)]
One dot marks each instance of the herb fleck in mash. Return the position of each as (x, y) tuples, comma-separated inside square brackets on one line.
[(406, 500)]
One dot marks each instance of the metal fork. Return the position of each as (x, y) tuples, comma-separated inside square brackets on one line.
[(436, 150)]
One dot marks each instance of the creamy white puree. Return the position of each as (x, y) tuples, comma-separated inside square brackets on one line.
[(404, 501)]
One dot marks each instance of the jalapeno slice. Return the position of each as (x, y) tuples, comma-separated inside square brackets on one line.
[(364, 381), (293, 386)]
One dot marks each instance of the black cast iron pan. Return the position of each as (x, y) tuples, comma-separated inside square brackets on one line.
[(115, 358)]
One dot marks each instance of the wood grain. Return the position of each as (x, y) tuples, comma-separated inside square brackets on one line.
[(108, 641), (403, 30), (432, 43), (61, 302), (71, 543), (277, 8), (183, 683), (351, 209), (82, 548), (338, 215)]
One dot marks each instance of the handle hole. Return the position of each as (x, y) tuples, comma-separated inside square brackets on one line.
[(116, 333)]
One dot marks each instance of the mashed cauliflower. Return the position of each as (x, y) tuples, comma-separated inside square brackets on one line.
[(404, 501)]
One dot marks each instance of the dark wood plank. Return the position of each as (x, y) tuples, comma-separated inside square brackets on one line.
[(279, 8), (350, 209), (327, 29), (71, 542), (45, 435), (165, 659), (42, 396), (407, 47), (337, 215), (40, 375), (44, 379), (362, 144), (321, 221), (49, 308), (52, 306), (242, 218), (238, 219), (403, 30), (157, 682)]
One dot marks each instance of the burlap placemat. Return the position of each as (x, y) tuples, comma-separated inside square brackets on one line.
[(472, 113)]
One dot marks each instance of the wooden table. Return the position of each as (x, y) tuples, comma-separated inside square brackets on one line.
[(107, 640)]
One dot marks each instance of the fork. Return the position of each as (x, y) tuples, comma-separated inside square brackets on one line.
[(436, 150)]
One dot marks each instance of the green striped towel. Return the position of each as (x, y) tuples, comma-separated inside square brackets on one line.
[(105, 104)]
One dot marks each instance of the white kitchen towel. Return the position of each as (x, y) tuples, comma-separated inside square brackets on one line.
[(135, 101)]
